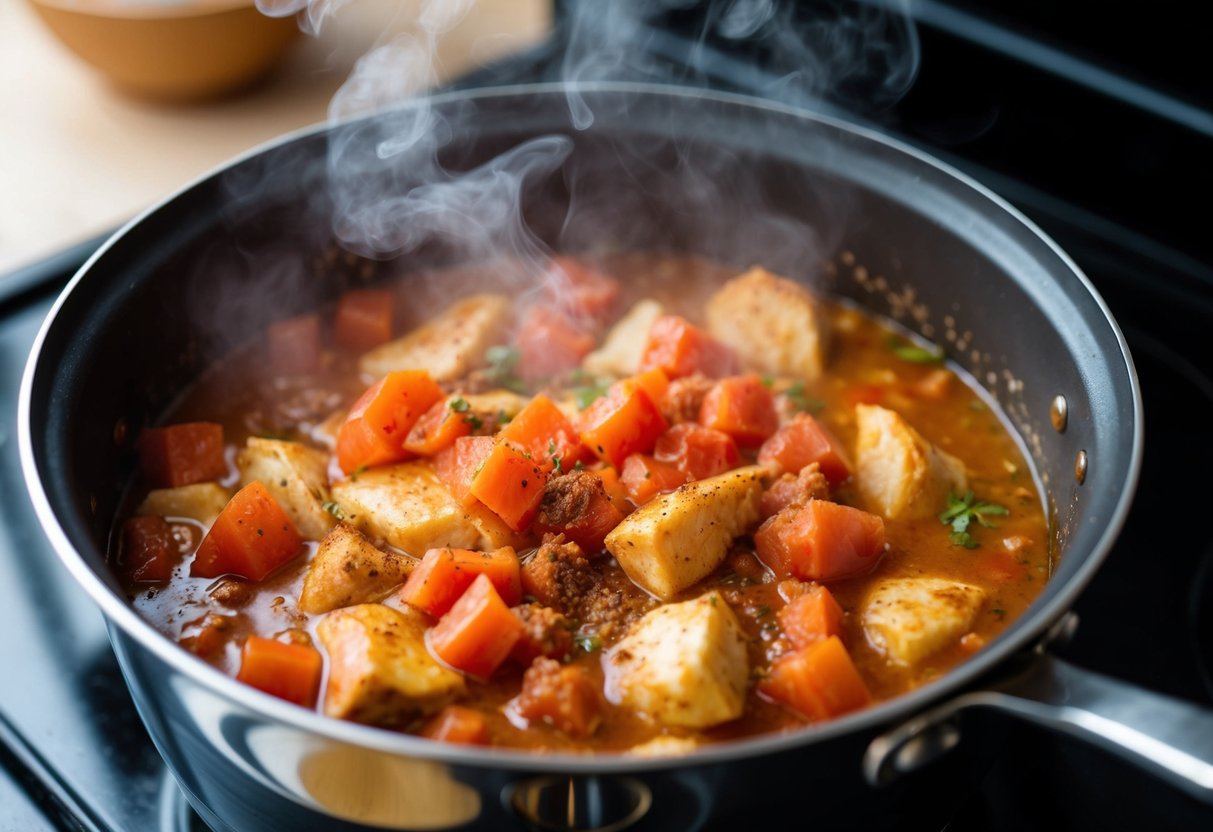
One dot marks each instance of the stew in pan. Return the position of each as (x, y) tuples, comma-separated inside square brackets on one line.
[(646, 504)]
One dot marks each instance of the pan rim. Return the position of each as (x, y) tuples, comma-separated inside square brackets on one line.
[(1050, 606)]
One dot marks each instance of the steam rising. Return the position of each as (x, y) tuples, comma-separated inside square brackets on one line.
[(393, 189)]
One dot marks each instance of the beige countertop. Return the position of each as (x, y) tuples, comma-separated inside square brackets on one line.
[(78, 157)]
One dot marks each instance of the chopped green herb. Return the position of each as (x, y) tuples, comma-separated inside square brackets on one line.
[(999, 612), (768, 381), (796, 395), (976, 406), (559, 468), (503, 364), (587, 394), (761, 611), (962, 511), (578, 465), (361, 469), (914, 353), (333, 509), (460, 405), (503, 418), (473, 421)]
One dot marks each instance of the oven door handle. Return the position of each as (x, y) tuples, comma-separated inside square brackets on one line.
[(1168, 737)]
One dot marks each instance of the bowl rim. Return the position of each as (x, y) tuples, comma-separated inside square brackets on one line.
[(149, 10)]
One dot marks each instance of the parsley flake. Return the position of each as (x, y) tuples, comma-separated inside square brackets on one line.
[(332, 508), (797, 397), (588, 643), (914, 353), (503, 366), (962, 511)]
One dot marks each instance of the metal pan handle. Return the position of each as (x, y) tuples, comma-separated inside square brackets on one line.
[(1163, 735)]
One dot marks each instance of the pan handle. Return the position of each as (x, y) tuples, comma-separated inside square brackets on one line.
[(1163, 735)]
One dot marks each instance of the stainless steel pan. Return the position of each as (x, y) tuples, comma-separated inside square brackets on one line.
[(731, 178)]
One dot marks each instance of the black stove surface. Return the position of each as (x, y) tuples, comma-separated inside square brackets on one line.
[(74, 755)]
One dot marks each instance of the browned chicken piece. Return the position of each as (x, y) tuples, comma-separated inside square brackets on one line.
[(233, 593), (558, 574), (684, 397), (562, 696), (545, 632), (348, 569), (380, 671), (795, 490)]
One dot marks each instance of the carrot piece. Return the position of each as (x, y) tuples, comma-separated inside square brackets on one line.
[(379, 422), (510, 484), (437, 429), (288, 671), (542, 430), (802, 442), (563, 696), (250, 538), (576, 505), (820, 541), (182, 454), (645, 477), (456, 723), (364, 319), (625, 421), (654, 382), (613, 486), (820, 681), (149, 551), (445, 574), (478, 632), (550, 343), (865, 394), (697, 451), (682, 349), (458, 464), (811, 617), (584, 292), (743, 408), (294, 345)]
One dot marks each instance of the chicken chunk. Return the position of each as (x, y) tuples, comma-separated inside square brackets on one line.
[(348, 569), (772, 323), (380, 671), (677, 539), (908, 619), (407, 506), (449, 345), (624, 345), (899, 473), (296, 476), (682, 664), (202, 502)]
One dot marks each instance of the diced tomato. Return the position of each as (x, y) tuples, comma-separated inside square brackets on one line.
[(182, 454), (811, 616), (562, 696), (251, 537), (458, 464), (550, 343), (459, 724), (820, 681), (149, 550), (379, 422), (584, 292), (697, 451), (681, 349), (364, 319), (645, 477), (437, 429), (542, 430), (743, 408), (801, 442), (478, 632), (613, 486), (820, 541), (510, 484), (294, 345), (576, 505), (288, 671), (445, 574), (625, 421)]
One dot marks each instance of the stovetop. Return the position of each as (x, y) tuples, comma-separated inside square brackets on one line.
[(74, 755)]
